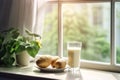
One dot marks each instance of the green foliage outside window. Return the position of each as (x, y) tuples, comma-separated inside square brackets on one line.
[(93, 38), (95, 45), (50, 33)]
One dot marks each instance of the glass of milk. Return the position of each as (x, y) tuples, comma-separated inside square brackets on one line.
[(74, 51)]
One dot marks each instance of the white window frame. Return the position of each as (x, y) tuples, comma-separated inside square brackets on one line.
[(112, 66)]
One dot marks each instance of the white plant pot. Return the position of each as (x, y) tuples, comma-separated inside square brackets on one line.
[(23, 58)]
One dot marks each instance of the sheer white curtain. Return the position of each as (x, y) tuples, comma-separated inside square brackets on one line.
[(40, 14), (23, 14), (27, 14)]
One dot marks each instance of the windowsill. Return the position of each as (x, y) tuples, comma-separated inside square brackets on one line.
[(32, 73)]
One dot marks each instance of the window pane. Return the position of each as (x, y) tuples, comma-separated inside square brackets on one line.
[(50, 30), (89, 23), (117, 31)]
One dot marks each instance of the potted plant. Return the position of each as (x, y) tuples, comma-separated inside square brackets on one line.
[(26, 47), (12, 43)]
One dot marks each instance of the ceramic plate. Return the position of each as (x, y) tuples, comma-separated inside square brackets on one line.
[(49, 69)]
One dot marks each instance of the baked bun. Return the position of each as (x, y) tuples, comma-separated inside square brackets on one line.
[(44, 61), (60, 63), (54, 59)]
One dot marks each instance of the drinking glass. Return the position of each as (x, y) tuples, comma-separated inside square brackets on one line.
[(74, 51)]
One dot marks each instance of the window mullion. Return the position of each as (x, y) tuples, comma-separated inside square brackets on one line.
[(60, 31), (113, 53)]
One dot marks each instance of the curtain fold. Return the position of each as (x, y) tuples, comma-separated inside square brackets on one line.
[(22, 14), (5, 7), (40, 15)]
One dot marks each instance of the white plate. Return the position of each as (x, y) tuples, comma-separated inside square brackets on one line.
[(49, 69)]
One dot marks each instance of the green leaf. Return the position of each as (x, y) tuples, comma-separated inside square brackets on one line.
[(8, 61), (32, 51)]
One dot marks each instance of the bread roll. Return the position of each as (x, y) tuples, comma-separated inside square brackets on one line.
[(60, 63), (44, 61), (54, 58)]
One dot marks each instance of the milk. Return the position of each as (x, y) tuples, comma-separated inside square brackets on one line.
[(74, 57)]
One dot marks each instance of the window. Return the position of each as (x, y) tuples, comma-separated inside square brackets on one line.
[(50, 29), (77, 26), (117, 31), (93, 22)]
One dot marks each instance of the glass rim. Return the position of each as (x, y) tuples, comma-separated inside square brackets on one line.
[(74, 43)]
